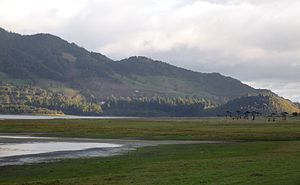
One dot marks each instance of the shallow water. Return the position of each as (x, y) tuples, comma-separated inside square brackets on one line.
[(9, 116), (23, 149), (23, 137), (15, 149)]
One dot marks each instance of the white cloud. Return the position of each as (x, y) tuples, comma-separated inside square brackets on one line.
[(283, 88), (252, 40), (31, 16)]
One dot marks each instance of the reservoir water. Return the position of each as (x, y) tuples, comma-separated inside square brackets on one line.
[(22, 149), (15, 149), (9, 116)]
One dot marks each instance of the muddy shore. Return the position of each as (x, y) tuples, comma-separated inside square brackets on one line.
[(123, 146)]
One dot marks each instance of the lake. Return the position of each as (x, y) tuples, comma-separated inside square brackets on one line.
[(9, 116), (23, 149), (16, 149)]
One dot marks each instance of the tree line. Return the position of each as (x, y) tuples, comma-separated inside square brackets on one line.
[(155, 106), (253, 114), (31, 99)]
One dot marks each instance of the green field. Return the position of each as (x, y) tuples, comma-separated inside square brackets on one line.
[(269, 153), (176, 128)]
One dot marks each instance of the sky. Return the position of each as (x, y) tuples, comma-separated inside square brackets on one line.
[(255, 41)]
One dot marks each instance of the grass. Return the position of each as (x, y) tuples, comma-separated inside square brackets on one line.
[(270, 157), (243, 163), (179, 129), (170, 85), (56, 86)]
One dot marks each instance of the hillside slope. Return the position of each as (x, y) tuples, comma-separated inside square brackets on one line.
[(44, 56), (54, 65), (262, 103), (165, 78)]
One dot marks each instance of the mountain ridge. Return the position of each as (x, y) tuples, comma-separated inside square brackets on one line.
[(47, 61)]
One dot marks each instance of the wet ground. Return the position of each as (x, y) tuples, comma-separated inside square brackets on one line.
[(22, 149), (41, 117)]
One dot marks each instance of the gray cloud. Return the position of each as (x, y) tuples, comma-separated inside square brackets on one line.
[(252, 40)]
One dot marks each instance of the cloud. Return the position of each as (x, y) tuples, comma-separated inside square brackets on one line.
[(252, 40), (33, 16), (284, 88)]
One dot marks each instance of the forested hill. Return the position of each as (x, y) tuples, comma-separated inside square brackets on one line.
[(137, 83), (167, 78), (262, 103), (44, 56)]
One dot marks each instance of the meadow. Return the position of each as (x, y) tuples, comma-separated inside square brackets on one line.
[(262, 152), (160, 128)]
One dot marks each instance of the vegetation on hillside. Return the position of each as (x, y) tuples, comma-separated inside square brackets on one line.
[(31, 99), (83, 80), (44, 56), (265, 104), (155, 106)]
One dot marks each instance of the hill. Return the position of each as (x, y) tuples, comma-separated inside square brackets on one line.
[(262, 103), (133, 86), (44, 56)]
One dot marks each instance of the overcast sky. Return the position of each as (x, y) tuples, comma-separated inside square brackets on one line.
[(256, 41)]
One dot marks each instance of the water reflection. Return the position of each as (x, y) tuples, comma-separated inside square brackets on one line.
[(3, 117), (15, 149)]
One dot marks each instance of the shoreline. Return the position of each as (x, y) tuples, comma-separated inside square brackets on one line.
[(125, 145), (65, 116)]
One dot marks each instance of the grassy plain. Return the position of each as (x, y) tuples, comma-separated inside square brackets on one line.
[(271, 154), (160, 128)]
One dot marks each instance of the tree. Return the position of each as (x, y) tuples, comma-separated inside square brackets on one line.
[(228, 113), (246, 115), (254, 113), (238, 112), (272, 116), (284, 115), (295, 114)]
